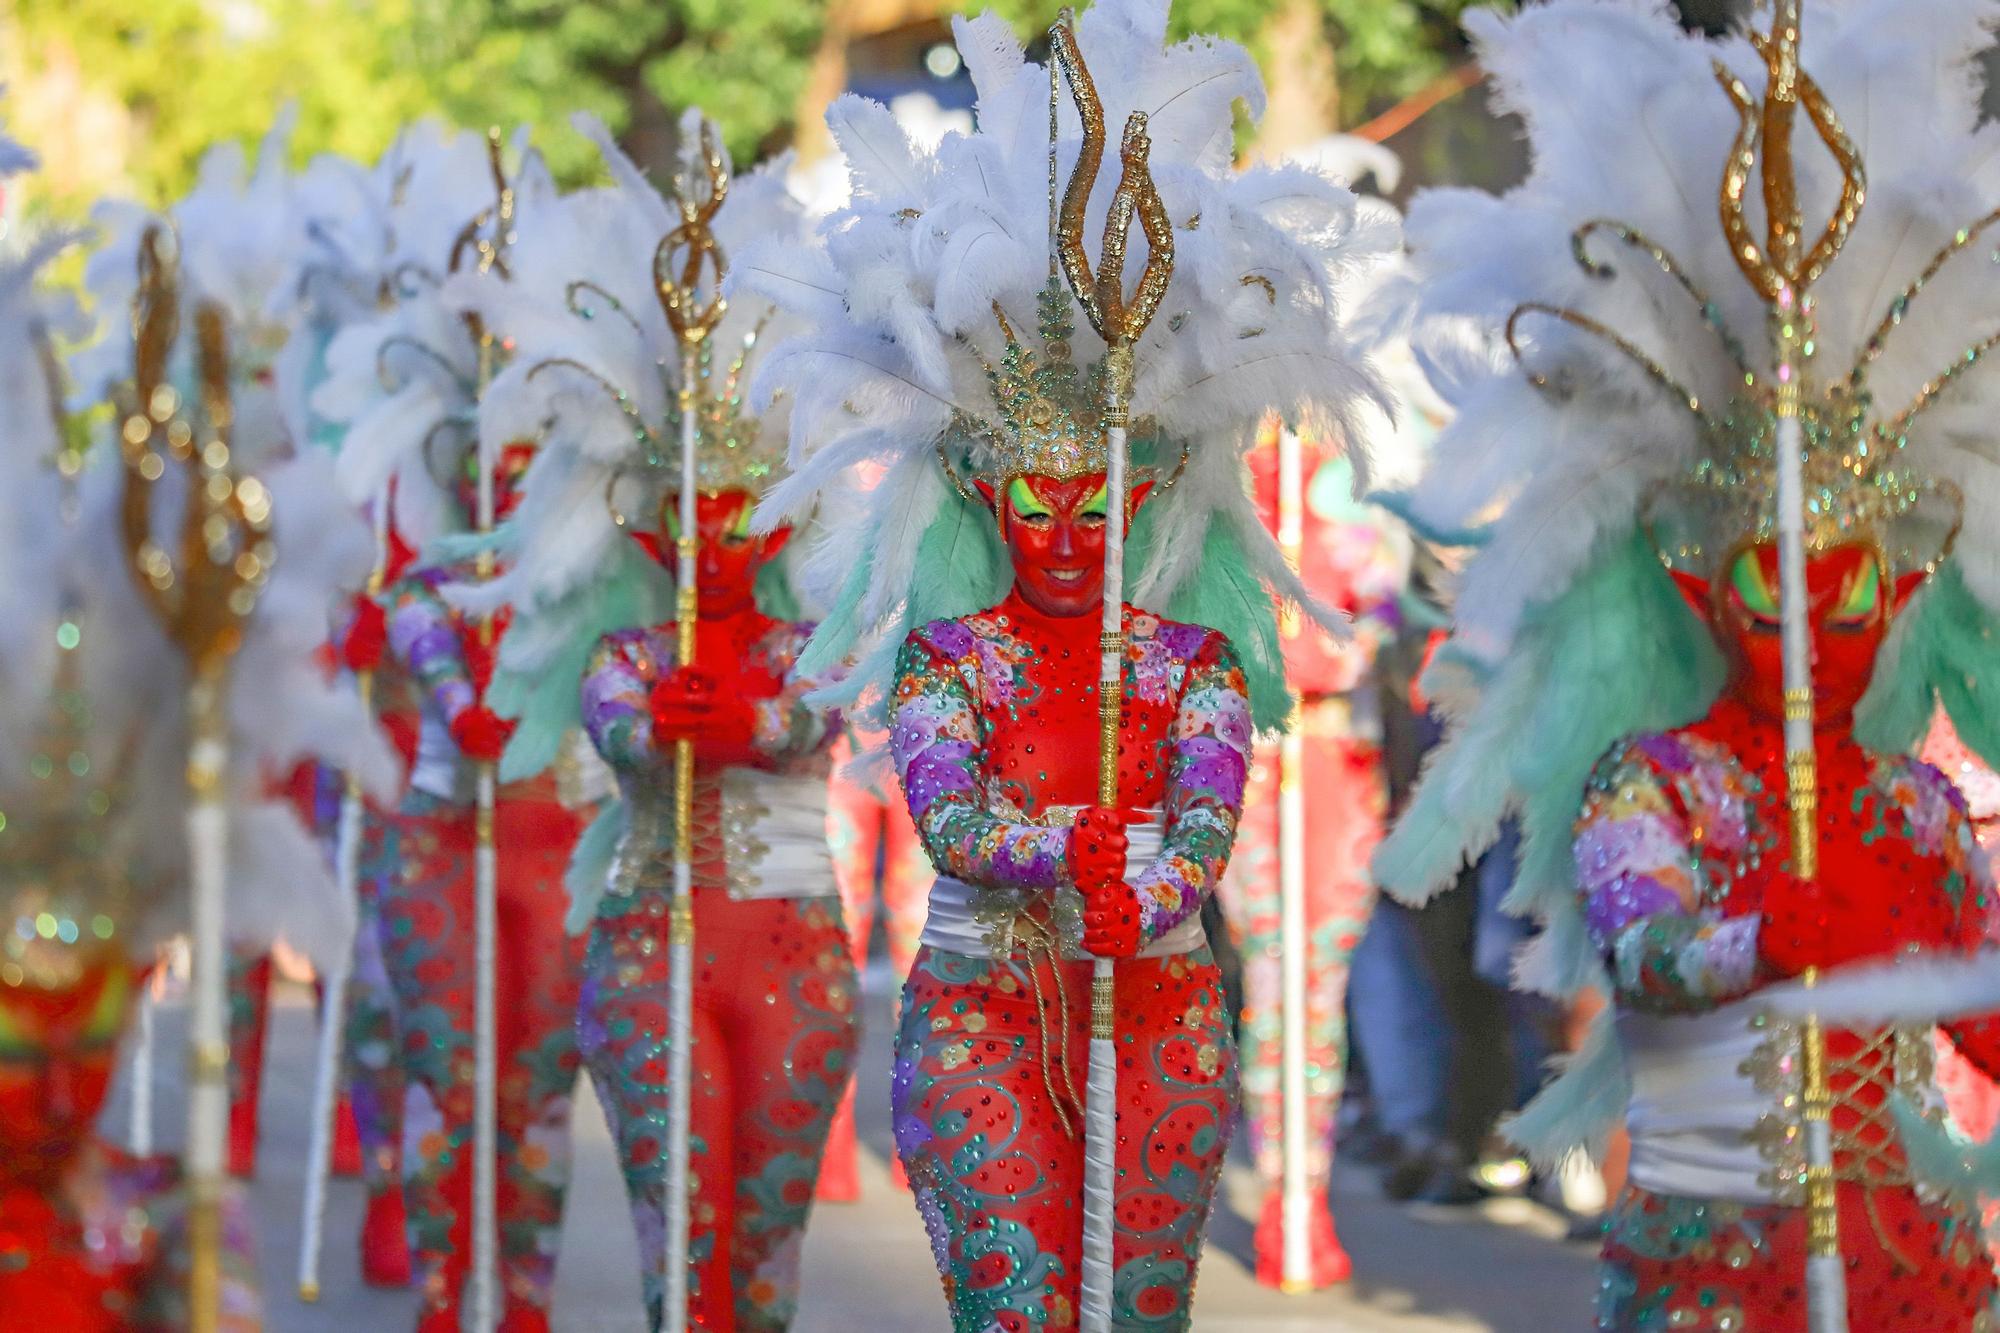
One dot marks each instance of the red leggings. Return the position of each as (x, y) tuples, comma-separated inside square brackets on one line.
[(427, 948), (997, 1174), (774, 1033)]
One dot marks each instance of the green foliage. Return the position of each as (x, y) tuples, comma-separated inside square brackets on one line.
[(1382, 49), (192, 73)]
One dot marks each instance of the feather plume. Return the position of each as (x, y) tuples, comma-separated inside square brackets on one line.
[(898, 328)]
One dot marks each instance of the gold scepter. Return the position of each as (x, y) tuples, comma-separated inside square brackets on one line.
[(202, 589), (1783, 272), (1119, 323), (688, 268)]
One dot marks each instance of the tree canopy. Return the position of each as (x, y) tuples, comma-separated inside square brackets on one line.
[(124, 95)]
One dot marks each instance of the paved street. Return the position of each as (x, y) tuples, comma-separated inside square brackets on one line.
[(868, 1268)]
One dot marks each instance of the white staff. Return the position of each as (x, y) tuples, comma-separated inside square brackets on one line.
[(1783, 272), (139, 1134), (333, 1000), (693, 318), (485, 853), (1296, 1259), (202, 590), (1119, 323)]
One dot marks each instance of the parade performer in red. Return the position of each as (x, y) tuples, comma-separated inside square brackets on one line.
[(1717, 607), (389, 231), (415, 428), (1357, 558), (598, 311), (946, 345)]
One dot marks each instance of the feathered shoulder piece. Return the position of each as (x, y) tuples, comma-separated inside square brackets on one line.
[(402, 377), (597, 379), (1715, 233), (944, 338)]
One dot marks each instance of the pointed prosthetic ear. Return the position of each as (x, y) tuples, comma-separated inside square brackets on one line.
[(987, 493), (1140, 494), (1906, 588), (650, 543), (1696, 592), (773, 542)]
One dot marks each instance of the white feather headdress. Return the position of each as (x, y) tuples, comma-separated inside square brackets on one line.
[(938, 244), (594, 378), (402, 379), (238, 235)]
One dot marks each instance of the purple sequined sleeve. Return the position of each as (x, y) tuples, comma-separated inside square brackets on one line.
[(786, 729), (617, 691), (424, 638), (1645, 899), (935, 735), (1207, 769)]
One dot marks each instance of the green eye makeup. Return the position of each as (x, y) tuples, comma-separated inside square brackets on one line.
[(1751, 588), (1022, 499)]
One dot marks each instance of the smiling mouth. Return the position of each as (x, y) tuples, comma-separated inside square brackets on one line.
[(1070, 577)]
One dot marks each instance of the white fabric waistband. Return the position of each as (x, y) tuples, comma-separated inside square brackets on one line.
[(774, 834), (1693, 1109), (952, 926)]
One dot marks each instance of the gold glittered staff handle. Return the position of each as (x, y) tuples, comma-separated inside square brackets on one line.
[(688, 270), (1783, 270), (1120, 323)]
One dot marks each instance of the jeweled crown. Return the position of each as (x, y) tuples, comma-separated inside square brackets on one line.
[(1051, 420)]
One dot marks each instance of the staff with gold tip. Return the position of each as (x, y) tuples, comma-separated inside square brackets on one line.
[(1120, 322), (1783, 272), (688, 269), (333, 1001), (202, 582), (491, 249)]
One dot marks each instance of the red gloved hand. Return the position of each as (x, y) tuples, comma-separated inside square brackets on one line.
[(367, 636), (1097, 848), (691, 705), (481, 734)]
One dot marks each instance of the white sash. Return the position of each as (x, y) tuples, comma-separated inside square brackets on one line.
[(1693, 1109), (952, 926)]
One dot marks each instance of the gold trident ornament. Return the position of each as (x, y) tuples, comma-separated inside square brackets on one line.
[(202, 585), (1102, 293), (1120, 322), (688, 270)]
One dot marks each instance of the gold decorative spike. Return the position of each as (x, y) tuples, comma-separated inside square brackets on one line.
[(204, 588), (1781, 269), (689, 263), (1102, 292)]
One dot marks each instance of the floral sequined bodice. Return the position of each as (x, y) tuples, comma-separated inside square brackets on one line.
[(1688, 892), (752, 656), (994, 730)]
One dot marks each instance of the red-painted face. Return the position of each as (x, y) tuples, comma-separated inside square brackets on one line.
[(728, 556), (1054, 532), (1850, 603), (508, 471), (58, 1048)]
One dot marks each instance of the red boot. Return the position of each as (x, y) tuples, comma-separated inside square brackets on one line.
[(385, 1240), (1327, 1264), (438, 1319), (346, 1139), (840, 1164), (524, 1319), (243, 1137)]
